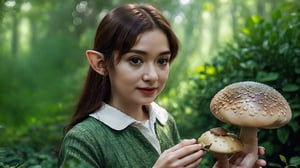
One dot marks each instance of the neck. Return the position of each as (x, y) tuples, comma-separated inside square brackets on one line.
[(138, 112)]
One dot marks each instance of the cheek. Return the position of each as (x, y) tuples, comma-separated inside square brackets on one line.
[(163, 80), (125, 74), (164, 75)]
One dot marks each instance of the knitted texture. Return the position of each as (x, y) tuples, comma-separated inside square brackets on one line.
[(93, 144)]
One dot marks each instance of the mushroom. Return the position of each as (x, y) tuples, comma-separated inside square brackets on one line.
[(221, 143), (251, 105)]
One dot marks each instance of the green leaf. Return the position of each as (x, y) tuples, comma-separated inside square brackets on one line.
[(283, 159), (297, 70), (266, 44), (290, 88), (276, 15), (283, 134), (283, 48), (248, 65), (208, 7), (294, 125), (265, 77), (245, 30), (256, 19), (295, 160), (275, 165)]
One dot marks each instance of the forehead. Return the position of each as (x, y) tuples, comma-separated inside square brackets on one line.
[(151, 43), (153, 40)]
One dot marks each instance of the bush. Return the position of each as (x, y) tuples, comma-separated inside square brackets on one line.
[(266, 50), (20, 156)]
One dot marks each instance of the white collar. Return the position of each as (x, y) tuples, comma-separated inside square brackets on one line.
[(118, 120)]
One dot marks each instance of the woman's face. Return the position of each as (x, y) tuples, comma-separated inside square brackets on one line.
[(141, 73)]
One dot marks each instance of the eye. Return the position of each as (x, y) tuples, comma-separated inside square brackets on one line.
[(163, 61), (135, 60)]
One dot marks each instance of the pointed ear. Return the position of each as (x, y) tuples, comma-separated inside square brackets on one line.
[(96, 60)]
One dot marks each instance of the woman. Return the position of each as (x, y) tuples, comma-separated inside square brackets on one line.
[(117, 123)]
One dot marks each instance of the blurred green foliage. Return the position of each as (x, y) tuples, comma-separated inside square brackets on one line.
[(266, 50), (41, 78)]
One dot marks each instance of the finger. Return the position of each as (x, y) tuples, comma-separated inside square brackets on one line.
[(261, 150), (249, 160), (183, 143), (188, 150), (192, 160), (260, 163), (194, 164), (237, 158)]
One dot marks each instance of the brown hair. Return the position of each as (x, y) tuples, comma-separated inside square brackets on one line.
[(118, 32)]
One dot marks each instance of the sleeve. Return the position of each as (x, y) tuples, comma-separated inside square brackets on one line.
[(78, 150)]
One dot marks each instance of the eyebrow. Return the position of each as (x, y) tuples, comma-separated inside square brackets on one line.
[(145, 53)]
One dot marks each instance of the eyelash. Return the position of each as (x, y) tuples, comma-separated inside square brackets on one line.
[(165, 61), (136, 61)]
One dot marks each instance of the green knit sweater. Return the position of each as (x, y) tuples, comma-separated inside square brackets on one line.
[(93, 144)]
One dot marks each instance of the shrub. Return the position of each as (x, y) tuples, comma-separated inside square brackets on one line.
[(266, 50)]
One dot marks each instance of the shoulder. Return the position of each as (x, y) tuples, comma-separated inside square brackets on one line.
[(80, 144), (87, 124), (88, 134), (85, 129)]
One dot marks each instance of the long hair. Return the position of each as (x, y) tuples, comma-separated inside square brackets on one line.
[(117, 33)]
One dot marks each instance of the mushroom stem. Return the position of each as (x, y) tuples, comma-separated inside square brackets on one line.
[(248, 136), (222, 160)]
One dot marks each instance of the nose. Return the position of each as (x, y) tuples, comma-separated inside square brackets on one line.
[(150, 73)]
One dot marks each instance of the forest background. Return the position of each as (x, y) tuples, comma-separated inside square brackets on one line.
[(43, 67)]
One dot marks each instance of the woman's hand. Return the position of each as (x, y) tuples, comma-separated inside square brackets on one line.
[(187, 153), (243, 159)]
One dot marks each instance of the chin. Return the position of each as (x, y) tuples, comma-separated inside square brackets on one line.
[(148, 101)]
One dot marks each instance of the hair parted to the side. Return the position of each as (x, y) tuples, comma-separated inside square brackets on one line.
[(117, 33)]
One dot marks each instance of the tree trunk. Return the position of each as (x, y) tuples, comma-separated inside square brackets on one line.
[(214, 42), (233, 11), (15, 35)]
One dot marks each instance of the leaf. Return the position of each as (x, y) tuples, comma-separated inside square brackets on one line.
[(266, 44), (276, 15), (283, 48), (265, 77), (248, 65), (294, 125), (245, 30), (208, 7), (295, 160), (283, 159), (283, 134), (297, 70), (275, 165), (290, 88), (256, 19)]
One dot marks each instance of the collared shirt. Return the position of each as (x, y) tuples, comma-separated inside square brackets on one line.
[(118, 120)]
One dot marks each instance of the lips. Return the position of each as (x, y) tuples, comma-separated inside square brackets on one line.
[(147, 91)]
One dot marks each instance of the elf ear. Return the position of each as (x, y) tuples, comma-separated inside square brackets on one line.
[(96, 60)]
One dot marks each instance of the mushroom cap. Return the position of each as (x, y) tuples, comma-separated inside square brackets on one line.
[(251, 104), (223, 144)]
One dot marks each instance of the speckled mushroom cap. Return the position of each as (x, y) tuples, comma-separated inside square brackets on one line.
[(223, 144), (251, 104)]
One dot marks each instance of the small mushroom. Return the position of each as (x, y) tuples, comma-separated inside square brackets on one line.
[(251, 105), (221, 143)]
